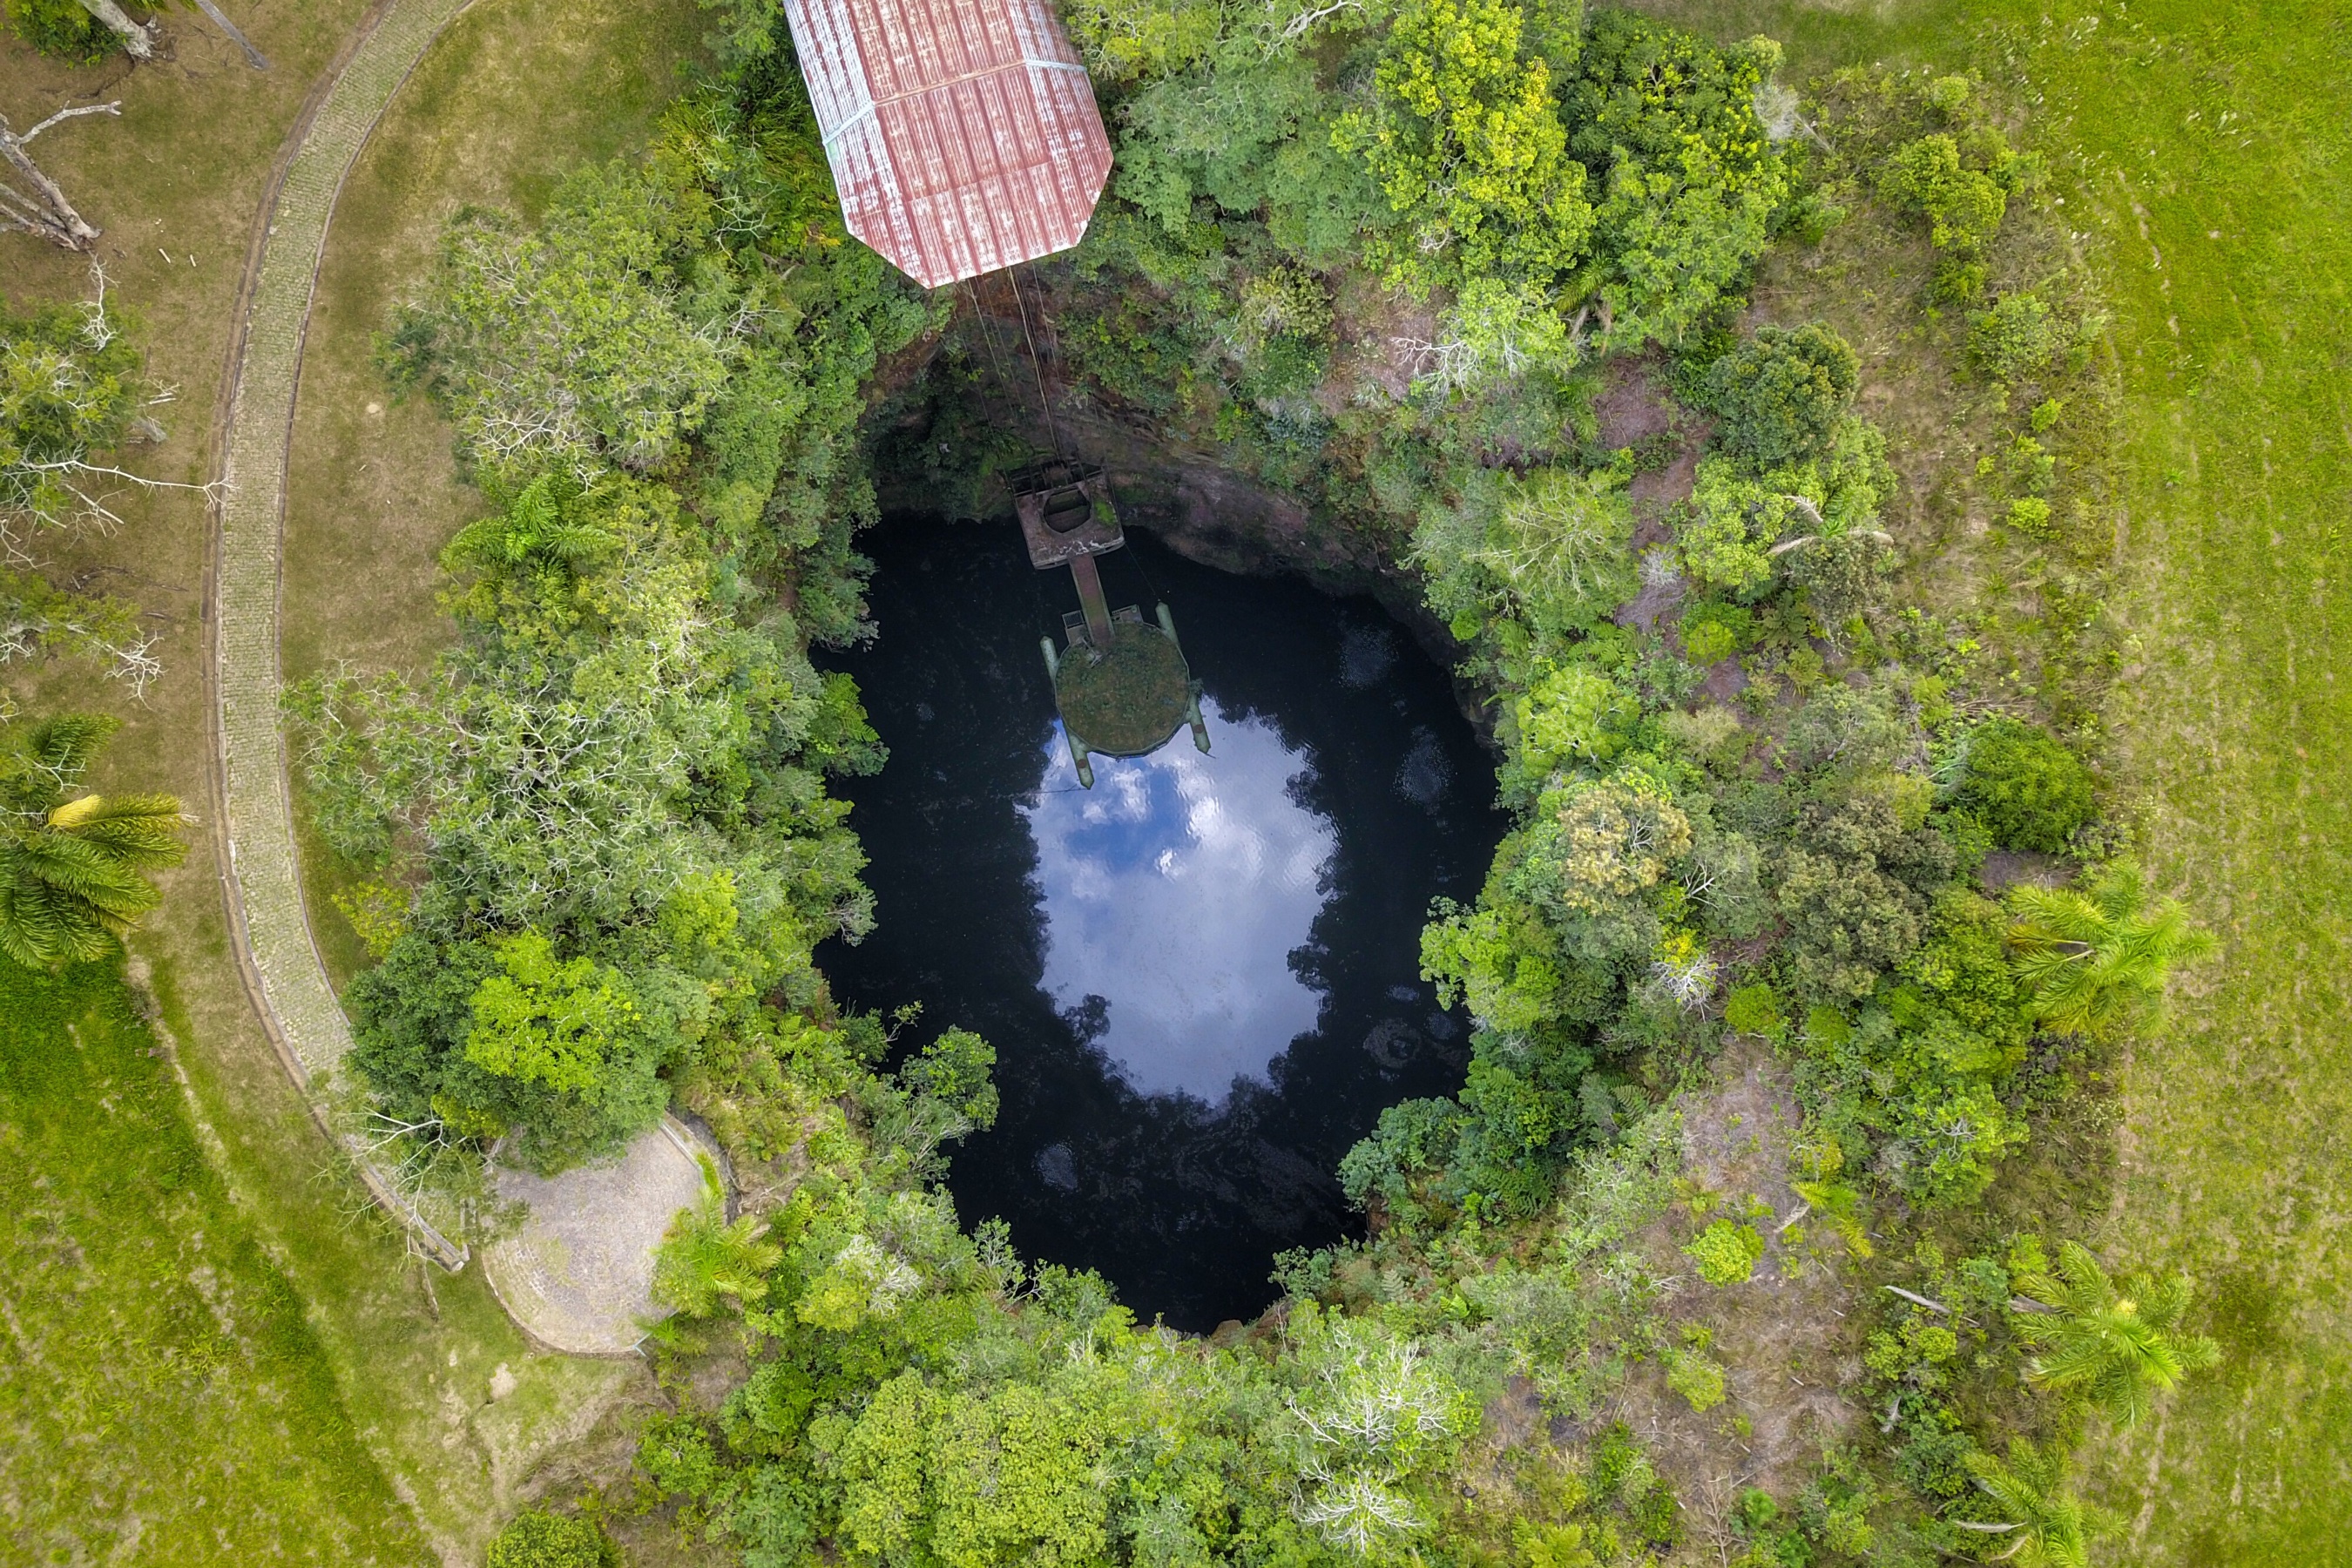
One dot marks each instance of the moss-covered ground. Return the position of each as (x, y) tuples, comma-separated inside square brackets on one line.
[(1126, 701)]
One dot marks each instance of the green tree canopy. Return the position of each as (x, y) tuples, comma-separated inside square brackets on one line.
[(1465, 139), (1687, 182), (1549, 546), (563, 1024), (1739, 523), (614, 782), (1779, 397), (1572, 716), (972, 1478)]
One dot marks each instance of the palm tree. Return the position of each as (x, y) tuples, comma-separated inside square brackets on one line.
[(704, 1257), (2121, 1349), (70, 879), (2046, 1527), (2090, 962)]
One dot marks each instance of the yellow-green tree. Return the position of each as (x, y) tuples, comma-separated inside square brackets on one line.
[(1465, 140)]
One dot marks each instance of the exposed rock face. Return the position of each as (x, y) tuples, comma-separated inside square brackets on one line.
[(1209, 513), (1183, 495)]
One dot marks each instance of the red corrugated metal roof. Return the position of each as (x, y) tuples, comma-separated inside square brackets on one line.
[(963, 134)]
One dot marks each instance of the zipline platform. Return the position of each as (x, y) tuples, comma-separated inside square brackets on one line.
[(1065, 513), (1122, 686)]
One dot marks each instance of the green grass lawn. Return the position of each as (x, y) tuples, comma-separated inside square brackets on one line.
[(2204, 146), (2221, 134), (163, 1397)]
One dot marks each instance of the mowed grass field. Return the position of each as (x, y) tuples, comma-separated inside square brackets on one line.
[(162, 1397), (2222, 134), (2204, 145)]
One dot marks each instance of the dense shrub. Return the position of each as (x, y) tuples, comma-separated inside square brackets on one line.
[(2030, 515), (1964, 205), (2029, 790), (2019, 336), (1960, 178), (1912, 1082), (1726, 1252), (536, 1540), (1714, 631), (1779, 397), (1753, 1010)]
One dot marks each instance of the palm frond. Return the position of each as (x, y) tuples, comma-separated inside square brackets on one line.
[(2121, 891), (2092, 961), (39, 926), (142, 830), (2053, 1529)]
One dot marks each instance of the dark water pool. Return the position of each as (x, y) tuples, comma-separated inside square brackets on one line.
[(1202, 976)]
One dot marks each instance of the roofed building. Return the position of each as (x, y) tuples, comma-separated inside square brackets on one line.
[(963, 134)]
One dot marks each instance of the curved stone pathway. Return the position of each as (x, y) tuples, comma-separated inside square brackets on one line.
[(268, 922)]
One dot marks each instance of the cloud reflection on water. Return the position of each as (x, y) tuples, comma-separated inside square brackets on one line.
[(1176, 890)]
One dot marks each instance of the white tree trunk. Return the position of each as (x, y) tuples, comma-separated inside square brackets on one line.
[(43, 210), (253, 57), (135, 38)]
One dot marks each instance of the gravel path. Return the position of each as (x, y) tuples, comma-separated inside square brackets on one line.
[(268, 923)]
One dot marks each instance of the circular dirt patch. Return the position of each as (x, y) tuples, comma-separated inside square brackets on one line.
[(578, 1274), (1128, 701)]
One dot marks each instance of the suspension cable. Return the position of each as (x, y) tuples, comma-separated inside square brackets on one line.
[(1053, 431)]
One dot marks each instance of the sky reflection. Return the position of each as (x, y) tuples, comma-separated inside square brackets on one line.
[(1252, 918), (1175, 890)]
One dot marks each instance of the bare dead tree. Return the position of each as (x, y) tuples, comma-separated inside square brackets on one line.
[(253, 57), (40, 207), (1284, 24), (1918, 1301), (140, 39)]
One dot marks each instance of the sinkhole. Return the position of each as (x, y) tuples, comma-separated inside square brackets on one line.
[(1201, 973)]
